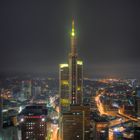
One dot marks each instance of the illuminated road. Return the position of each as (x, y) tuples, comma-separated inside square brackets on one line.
[(117, 129), (123, 118), (54, 130), (116, 125), (57, 109), (99, 105), (118, 122), (129, 117)]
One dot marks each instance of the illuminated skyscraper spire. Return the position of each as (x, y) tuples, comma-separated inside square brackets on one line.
[(73, 30), (73, 40)]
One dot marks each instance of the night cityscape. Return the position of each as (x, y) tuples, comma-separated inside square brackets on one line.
[(69, 70)]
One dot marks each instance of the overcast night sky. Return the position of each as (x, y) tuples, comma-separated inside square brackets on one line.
[(35, 36)]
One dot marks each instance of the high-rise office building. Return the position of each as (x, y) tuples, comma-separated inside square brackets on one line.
[(71, 77), (26, 90), (64, 87), (75, 71), (73, 126), (34, 123), (74, 116)]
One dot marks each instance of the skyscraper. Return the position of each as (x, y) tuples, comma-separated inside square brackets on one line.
[(74, 116), (71, 77), (75, 71), (64, 87)]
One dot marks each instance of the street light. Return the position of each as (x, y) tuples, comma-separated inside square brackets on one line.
[(43, 119)]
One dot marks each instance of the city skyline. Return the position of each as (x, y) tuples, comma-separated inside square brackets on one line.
[(35, 37)]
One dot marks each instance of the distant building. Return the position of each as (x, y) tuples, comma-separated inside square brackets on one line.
[(26, 90), (99, 129), (93, 105), (136, 133), (137, 101), (9, 133), (9, 130), (33, 123), (127, 109), (138, 105), (1, 106), (36, 91)]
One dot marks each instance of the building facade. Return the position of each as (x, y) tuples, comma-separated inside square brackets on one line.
[(64, 87), (34, 123)]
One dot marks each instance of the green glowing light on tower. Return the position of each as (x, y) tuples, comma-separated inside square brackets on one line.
[(73, 34), (73, 31)]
